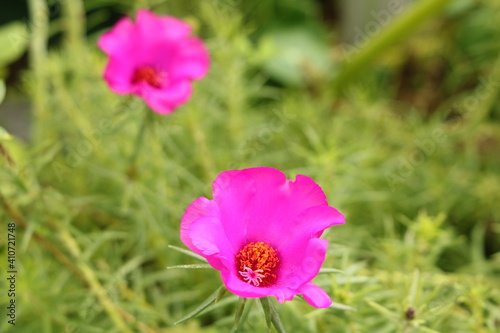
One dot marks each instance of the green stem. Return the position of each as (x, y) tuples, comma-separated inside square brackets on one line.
[(239, 313), (201, 142), (401, 27), (74, 34), (272, 314), (112, 310), (7, 156), (39, 14), (74, 19), (132, 170)]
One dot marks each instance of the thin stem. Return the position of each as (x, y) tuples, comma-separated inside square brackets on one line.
[(39, 14), (95, 286), (7, 156), (132, 171), (198, 131), (272, 314), (400, 28), (239, 314), (74, 19)]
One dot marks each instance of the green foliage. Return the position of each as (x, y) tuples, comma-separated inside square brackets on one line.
[(96, 237), (13, 43)]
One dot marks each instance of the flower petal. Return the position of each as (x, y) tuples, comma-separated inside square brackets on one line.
[(260, 205), (232, 191), (197, 209), (315, 295), (279, 202), (209, 240), (162, 43), (119, 39), (274, 204), (310, 224), (191, 61), (164, 101), (117, 74), (301, 262), (153, 27), (244, 289), (299, 273)]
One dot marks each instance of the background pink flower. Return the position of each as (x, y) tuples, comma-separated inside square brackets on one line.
[(262, 232), (155, 58)]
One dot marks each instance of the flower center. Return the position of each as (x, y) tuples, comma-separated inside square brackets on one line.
[(149, 75), (257, 264)]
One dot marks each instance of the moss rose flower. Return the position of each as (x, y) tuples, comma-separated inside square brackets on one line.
[(261, 231), (155, 58)]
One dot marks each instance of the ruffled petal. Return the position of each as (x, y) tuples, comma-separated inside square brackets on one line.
[(197, 209), (159, 39), (117, 74), (243, 289), (315, 295), (209, 240), (299, 269), (279, 202), (191, 61), (275, 203), (232, 191), (155, 28), (164, 101), (119, 40), (310, 224), (301, 261)]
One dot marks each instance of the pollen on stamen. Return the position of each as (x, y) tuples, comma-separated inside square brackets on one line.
[(149, 75), (257, 264)]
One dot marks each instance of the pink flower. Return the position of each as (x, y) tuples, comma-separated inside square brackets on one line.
[(155, 58), (262, 232)]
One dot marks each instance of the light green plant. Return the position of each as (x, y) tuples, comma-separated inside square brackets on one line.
[(94, 240)]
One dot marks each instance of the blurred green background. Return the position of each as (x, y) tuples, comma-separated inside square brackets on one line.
[(391, 106)]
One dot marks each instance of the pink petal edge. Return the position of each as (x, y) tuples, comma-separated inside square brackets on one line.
[(315, 295)]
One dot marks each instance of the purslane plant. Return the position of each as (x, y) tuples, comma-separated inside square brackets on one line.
[(261, 231), (155, 58)]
